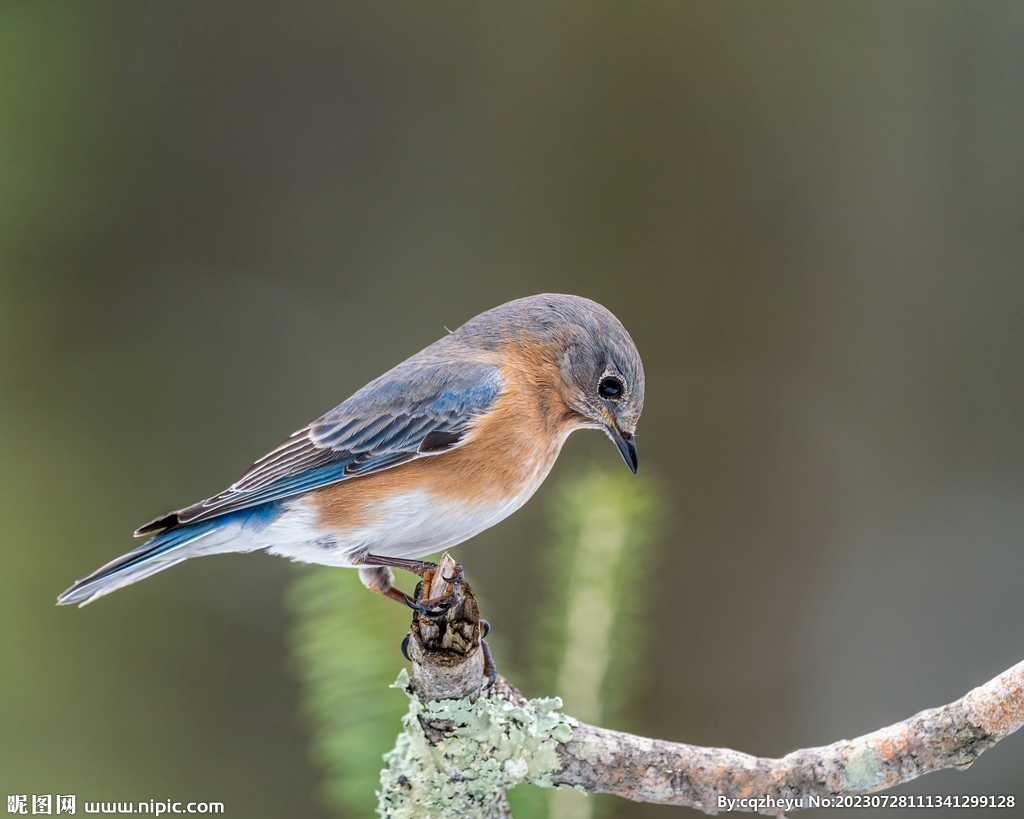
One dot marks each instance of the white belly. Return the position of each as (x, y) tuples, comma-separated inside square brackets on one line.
[(411, 525)]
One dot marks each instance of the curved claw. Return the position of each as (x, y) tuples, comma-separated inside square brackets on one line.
[(490, 669), (485, 628), (405, 647), (440, 610), (458, 577), (416, 607)]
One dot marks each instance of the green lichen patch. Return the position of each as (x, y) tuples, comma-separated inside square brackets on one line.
[(863, 769), (493, 745)]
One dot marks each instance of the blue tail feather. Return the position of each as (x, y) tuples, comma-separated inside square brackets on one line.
[(161, 552)]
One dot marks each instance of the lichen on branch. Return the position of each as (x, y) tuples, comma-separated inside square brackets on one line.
[(456, 758)]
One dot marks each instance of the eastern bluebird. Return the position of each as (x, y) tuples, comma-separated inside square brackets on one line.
[(434, 451)]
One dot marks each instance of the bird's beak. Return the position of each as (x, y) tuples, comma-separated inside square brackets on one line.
[(626, 443)]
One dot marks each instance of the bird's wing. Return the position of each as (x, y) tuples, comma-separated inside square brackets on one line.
[(413, 411)]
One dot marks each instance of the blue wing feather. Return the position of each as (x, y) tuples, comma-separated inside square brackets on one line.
[(382, 425)]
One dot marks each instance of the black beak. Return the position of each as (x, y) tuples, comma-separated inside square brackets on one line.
[(626, 444)]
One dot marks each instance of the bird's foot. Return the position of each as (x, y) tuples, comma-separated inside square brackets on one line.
[(438, 598), (436, 608), (426, 603)]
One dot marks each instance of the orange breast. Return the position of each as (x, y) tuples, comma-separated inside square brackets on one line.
[(508, 450)]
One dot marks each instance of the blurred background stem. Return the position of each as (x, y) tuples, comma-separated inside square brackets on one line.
[(605, 522)]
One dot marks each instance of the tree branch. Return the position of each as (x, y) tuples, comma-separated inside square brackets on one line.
[(458, 756), (650, 770)]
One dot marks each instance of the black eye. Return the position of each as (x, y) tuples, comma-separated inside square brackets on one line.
[(610, 387)]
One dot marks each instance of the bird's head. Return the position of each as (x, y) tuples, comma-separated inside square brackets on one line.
[(601, 377), (605, 378)]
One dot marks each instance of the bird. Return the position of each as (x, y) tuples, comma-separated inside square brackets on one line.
[(441, 447)]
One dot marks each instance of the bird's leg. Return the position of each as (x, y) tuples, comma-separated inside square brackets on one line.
[(381, 579), (418, 567), (375, 572)]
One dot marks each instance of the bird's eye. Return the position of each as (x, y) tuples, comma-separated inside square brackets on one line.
[(610, 387)]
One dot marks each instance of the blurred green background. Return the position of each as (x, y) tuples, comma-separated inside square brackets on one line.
[(217, 220)]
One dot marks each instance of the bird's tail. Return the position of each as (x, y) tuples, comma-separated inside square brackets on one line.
[(155, 555)]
